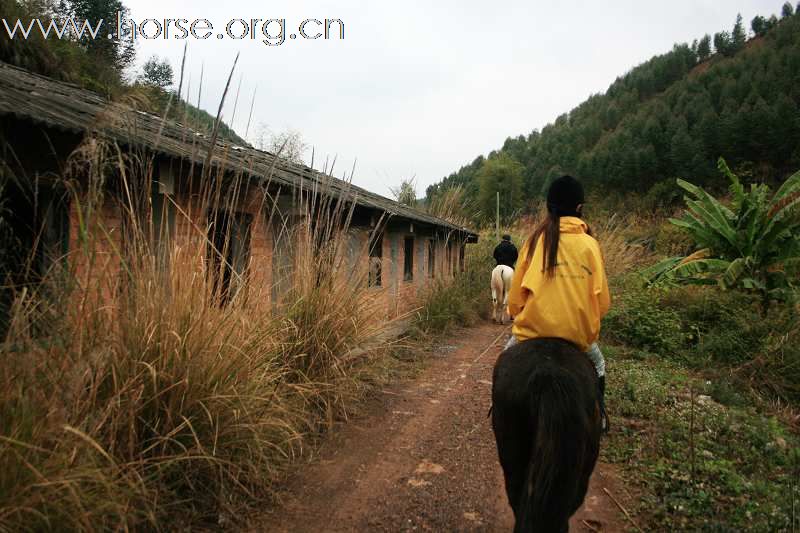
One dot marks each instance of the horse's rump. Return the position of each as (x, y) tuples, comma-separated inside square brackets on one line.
[(547, 427), (502, 276)]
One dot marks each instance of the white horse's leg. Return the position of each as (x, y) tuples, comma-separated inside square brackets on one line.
[(495, 311), (507, 277), (494, 301)]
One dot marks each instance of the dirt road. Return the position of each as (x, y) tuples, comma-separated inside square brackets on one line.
[(424, 458)]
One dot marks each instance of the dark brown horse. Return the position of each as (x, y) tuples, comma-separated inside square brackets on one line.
[(546, 422)]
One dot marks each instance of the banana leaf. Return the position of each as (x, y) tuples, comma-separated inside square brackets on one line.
[(735, 271), (791, 184), (736, 188), (699, 266), (658, 270)]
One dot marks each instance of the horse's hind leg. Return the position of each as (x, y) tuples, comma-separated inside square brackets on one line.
[(513, 449), (494, 302), (511, 427)]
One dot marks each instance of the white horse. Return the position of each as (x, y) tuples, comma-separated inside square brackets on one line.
[(501, 285)]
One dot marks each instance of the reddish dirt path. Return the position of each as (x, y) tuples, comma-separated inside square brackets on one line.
[(423, 458)]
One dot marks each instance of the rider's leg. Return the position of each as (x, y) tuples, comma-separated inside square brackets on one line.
[(599, 361), (511, 342)]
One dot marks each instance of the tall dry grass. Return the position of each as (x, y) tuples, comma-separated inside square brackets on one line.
[(454, 206), (133, 398), (621, 253)]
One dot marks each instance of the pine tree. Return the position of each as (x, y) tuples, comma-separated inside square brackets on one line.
[(787, 10), (759, 25), (785, 129), (761, 130), (722, 43), (704, 48), (707, 132), (682, 150), (738, 36), (772, 21)]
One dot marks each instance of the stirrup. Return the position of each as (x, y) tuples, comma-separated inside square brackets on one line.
[(605, 424)]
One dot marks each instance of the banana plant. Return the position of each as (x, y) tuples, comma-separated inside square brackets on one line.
[(750, 245)]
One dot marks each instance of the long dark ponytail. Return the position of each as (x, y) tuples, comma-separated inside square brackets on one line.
[(550, 230)]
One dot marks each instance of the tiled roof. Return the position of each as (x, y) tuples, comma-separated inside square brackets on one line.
[(65, 106)]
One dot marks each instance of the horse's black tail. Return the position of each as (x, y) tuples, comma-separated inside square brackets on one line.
[(564, 450)]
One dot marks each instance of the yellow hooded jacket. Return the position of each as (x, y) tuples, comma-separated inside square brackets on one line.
[(570, 304)]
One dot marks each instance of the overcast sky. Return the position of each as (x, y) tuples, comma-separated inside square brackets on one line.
[(419, 90)]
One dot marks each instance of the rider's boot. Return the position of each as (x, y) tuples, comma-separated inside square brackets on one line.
[(604, 423)]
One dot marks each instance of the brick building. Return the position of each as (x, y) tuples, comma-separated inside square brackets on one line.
[(45, 123)]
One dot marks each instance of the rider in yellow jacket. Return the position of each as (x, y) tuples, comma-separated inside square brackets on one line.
[(570, 305), (560, 287)]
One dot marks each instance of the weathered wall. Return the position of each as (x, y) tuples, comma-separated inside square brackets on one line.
[(100, 264), (400, 296), (394, 297), (95, 256)]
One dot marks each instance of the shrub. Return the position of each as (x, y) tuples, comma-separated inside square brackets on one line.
[(670, 241), (723, 326), (712, 331), (775, 367), (638, 319), (728, 328), (662, 195), (462, 301), (445, 305)]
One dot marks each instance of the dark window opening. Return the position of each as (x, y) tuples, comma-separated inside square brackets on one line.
[(431, 258), (228, 252), (376, 260), (54, 244), (461, 254), (408, 259), (35, 231), (34, 240)]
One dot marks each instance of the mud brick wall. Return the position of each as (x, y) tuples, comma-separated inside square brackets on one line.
[(95, 256), (261, 251), (395, 297)]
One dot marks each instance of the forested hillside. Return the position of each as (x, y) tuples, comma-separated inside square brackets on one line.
[(672, 116)]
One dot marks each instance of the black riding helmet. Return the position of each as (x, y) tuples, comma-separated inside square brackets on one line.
[(564, 196)]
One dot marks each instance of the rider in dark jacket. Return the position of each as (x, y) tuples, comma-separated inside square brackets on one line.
[(506, 253)]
